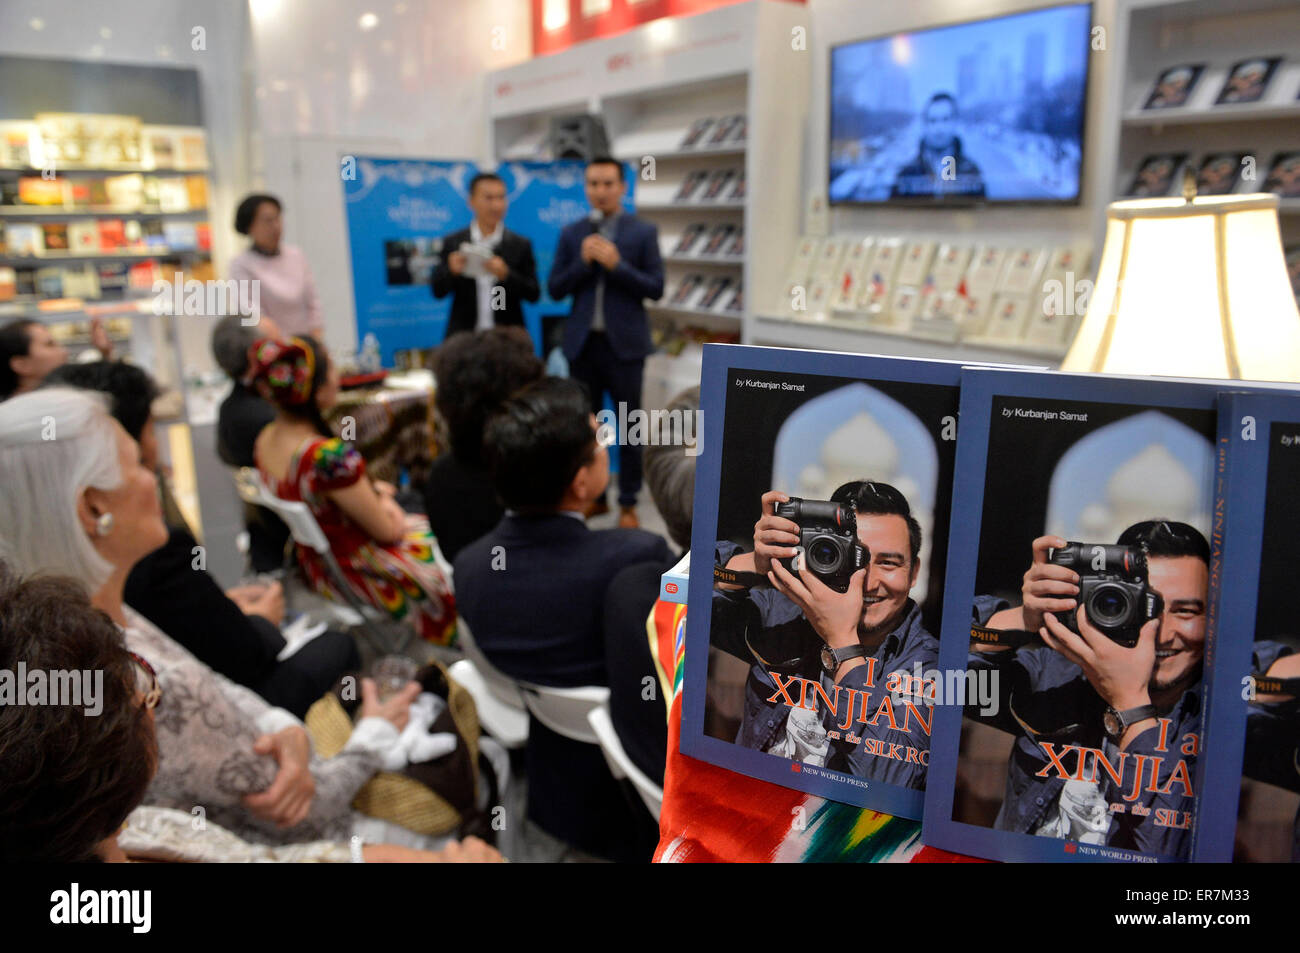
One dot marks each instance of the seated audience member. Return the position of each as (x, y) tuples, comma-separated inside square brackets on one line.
[(28, 352), (75, 771), (532, 592), (83, 505), (236, 633), (475, 373), (642, 723), (387, 556), (240, 419)]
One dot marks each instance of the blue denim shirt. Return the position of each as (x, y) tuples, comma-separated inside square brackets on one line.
[(763, 627), (1047, 703)]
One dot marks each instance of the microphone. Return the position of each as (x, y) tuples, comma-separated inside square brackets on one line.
[(596, 217)]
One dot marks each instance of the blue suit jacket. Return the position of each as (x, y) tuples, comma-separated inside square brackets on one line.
[(540, 617), (638, 275)]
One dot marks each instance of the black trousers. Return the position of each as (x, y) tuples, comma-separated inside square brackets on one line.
[(600, 370)]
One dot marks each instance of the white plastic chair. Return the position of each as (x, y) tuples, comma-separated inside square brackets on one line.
[(620, 765), (506, 723), (305, 531), (565, 710)]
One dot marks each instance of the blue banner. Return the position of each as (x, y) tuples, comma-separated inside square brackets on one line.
[(543, 197), (397, 212)]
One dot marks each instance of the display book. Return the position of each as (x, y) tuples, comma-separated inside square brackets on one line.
[(1077, 649), (1217, 173), (1253, 777), (854, 456), (1027, 298)]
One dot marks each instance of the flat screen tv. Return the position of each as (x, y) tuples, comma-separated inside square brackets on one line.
[(985, 112)]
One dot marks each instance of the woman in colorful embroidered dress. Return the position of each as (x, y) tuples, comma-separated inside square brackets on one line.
[(389, 557)]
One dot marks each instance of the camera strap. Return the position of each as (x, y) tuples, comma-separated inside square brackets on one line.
[(1009, 638), (1268, 685), (740, 577)]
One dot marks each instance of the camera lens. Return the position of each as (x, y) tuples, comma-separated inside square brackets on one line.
[(1110, 605), (823, 554)]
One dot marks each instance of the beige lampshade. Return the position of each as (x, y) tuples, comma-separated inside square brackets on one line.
[(1191, 289)]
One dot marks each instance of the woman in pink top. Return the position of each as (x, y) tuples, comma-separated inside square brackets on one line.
[(286, 290)]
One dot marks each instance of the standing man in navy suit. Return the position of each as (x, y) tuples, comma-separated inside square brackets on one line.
[(610, 263)]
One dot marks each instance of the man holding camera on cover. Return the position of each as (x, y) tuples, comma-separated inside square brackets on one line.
[(1107, 710), (819, 689)]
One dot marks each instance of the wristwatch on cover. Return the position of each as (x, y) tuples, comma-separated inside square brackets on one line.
[(832, 659), (1115, 722)]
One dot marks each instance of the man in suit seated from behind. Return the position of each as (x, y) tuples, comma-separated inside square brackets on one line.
[(493, 296), (532, 593)]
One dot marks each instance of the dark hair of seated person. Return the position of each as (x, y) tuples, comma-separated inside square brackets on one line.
[(132, 389), (537, 442), (475, 373), (69, 779)]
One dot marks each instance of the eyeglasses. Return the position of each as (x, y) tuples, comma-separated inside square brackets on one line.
[(146, 682)]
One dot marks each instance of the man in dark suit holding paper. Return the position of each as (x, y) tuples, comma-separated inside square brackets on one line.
[(486, 269), (610, 263)]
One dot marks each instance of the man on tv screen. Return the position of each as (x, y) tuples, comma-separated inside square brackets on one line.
[(939, 167)]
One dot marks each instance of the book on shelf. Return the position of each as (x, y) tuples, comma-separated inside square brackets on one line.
[(1219, 173), (689, 238), (25, 281), (133, 232), (717, 239), (915, 263), (737, 193), (112, 234), (15, 145), (81, 281), (737, 247), (83, 236), (691, 184), (719, 180), (125, 192), (172, 194), (1247, 80), (950, 263), (35, 190), (161, 146), (55, 236), (725, 130), (736, 304), (24, 239), (1024, 267), (1156, 174), (112, 279), (142, 275), (1006, 322), (8, 283), (203, 236), (690, 286), (741, 132), (829, 257), (76, 193), (197, 187), (985, 269), (1283, 178), (154, 236), (714, 291), (49, 282), (180, 236), (696, 133), (1174, 86)]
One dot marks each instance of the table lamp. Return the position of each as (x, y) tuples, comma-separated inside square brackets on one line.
[(1191, 287)]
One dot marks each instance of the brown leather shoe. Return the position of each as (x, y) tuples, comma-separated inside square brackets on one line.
[(627, 518), (597, 507)]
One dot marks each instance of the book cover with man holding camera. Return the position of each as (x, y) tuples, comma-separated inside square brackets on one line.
[(823, 496), (1083, 562)]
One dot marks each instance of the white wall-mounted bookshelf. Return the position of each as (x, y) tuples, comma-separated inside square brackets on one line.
[(650, 85)]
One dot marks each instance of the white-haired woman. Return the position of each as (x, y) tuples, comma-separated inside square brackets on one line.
[(78, 501)]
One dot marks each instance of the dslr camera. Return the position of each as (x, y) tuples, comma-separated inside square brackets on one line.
[(1112, 589), (828, 537)]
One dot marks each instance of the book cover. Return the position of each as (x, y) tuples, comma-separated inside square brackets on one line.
[(1023, 271), (35, 190), (737, 193), (83, 236), (77, 193), (112, 234), (686, 243), (833, 472), (695, 134), (25, 281), (180, 236), (49, 282), (112, 279), (719, 180), (1174, 86), (142, 275), (1074, 634), (713, 292), (24, 239), (1219, 173), (1155, 175), (81, 281), (725, 130), (125, 192), (1247, 80), (717, 239), (1252, 737), (1284, 176), (55, 235), (8, 283), (203, 235), (687, 290), (737, 303), (915, 263), (737, 247), (690, 185), (172, 194), (152, 229), (197, 188)]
